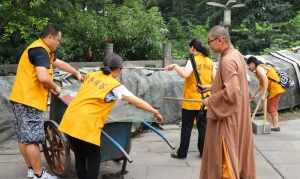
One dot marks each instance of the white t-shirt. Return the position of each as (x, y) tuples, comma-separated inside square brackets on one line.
[(188, 67), (121, 91)]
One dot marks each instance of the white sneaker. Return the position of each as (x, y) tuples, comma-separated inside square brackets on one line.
[(45, 175), (30, 173)]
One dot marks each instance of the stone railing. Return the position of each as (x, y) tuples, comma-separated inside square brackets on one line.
[(10, 69)]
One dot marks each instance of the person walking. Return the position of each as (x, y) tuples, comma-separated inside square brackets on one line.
[(228, 149)]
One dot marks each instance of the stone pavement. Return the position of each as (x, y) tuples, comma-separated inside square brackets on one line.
[(277, 156)]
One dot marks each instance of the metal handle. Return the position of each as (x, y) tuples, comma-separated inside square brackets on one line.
[(182, 99), (159, 134), (257, 106), (146, 68), (118, 146)]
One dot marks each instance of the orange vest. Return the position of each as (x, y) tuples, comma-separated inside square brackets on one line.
[(205, 69), (87, 113), (27, 89), (274, 88)]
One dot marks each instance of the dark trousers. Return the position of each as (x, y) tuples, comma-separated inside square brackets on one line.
[(87, 158), (188, 117)]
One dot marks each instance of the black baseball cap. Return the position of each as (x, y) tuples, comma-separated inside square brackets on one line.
[(112, 61)]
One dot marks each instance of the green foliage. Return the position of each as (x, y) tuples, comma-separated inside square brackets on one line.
[(88, 32), (136, 32), (265, 26), (295, 28), (19, 26), (260, 25), (248, 40), (199, 31), (180, 36), (87, 27), (138, 28)]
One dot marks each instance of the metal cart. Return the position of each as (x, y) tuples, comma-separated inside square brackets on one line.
[(115, 145)]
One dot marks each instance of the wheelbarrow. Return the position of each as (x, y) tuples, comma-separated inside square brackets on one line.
[(115, 145)]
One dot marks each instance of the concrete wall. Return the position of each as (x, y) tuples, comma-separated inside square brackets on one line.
[(10, 69)]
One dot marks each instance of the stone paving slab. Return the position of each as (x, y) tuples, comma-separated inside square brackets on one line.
[(264, 170), (282, 149), (159, 165), (152, 157), (290, 171)]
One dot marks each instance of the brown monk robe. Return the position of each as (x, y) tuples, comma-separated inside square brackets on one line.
[(228, 149)]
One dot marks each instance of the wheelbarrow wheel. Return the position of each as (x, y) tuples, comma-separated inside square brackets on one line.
[(56, 149)]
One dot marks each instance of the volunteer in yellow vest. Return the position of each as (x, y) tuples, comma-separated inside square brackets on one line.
[(268, 80), (191, 110), (30, 93), (88, 111)]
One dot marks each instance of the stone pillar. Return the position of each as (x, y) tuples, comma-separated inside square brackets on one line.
[(109, 48), (227, 18), (167, 54)]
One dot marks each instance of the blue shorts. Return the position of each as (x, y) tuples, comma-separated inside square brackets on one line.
[(29, 124)]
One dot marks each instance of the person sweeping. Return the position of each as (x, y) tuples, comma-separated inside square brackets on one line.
[(268, 80)]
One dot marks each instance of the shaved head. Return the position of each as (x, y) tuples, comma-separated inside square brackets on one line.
[(219, 31), (219, 39)]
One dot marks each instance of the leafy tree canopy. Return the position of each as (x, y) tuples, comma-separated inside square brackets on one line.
[(138, 28)]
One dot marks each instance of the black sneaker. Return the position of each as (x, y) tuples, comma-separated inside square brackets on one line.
[(177, 156), (275, 129)]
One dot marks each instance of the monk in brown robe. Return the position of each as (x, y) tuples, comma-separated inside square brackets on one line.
[(228, 149)]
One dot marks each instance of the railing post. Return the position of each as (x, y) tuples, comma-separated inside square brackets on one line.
[(167, 54), (109, 48)]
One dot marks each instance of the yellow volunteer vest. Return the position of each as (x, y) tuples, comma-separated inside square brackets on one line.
[(27, 89), (205, 70), (87, 112), (274, 88)]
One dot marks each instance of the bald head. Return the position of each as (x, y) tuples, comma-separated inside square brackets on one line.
[(219, 31)]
